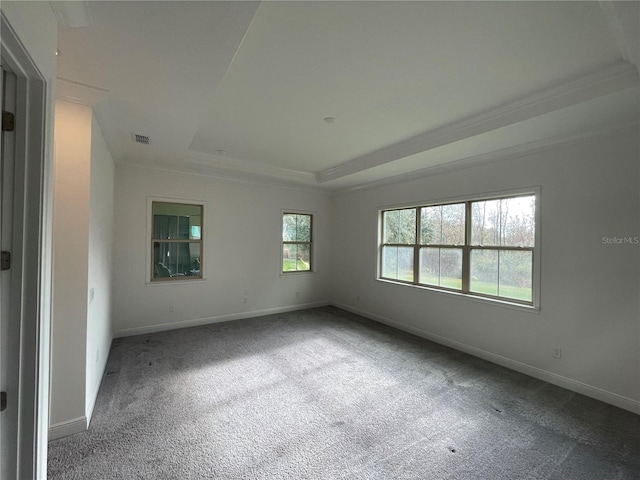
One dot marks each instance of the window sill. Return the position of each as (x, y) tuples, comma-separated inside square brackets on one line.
[(533, 309), (296, 274), (191, 281)]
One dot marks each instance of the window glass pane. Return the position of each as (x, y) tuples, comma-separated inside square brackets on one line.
[(296, 257), (304, 257), (176, 221), (442, 224), (400, 226), (168, 227), (303, 229), (296, 227), (389, 223), (390, 262), (504, 273), (441, 267), (484, 272), (516, 273), (289, 257), (172, 224), (289, 227), (194, 253), (504, 222), (485, 224), (176, 259), (518, 227), (183, 228), (397, 263), (160, 226)]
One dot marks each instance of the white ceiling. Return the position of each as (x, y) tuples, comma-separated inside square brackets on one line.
[(240, 89)]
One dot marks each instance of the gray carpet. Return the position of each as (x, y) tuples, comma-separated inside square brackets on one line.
[(324, 394)]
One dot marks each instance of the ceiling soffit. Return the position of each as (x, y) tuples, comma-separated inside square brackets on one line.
[(408, 81), (611, 79)]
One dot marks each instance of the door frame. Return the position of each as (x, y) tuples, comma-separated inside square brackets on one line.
[(31, 256), (10, 337)]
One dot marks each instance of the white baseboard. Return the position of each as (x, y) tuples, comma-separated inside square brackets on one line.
[(92, 399), (79, 424), (69, 427), (550, 377), (128, 332)]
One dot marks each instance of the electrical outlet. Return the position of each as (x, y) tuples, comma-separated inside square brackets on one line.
[(171, 308), (557, 353)]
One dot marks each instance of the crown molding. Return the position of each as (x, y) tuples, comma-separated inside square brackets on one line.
[(77, 92), (229, 175), (199, 169), (509, 153), (609, 79), (245, 167)]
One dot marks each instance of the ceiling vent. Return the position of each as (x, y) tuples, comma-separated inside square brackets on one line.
[(143, 139)]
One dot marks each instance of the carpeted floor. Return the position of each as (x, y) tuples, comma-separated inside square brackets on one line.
[(324, 394)]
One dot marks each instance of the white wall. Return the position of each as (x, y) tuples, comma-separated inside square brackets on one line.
[(70, 262), (99, 328), (82, 246), (242, 252), (589, 292)]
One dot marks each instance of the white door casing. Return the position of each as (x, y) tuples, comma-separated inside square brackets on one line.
[(29, 282), (9, 331)]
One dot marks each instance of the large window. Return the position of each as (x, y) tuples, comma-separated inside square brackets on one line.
[(297, 246), (176, 243), (480, 247)]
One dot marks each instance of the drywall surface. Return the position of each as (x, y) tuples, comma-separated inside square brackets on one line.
[(589, 287), (242, 252), (99, 326), (70, 260), (36, 26)]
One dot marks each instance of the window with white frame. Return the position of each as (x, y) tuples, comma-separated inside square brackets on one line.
[(297, 242), (176, 241), (481, 247)]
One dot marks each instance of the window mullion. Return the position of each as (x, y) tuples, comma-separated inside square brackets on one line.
[(416, 248), (466, 250), (382, 244)]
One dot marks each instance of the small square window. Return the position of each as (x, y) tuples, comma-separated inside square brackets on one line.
[(176, 241)]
